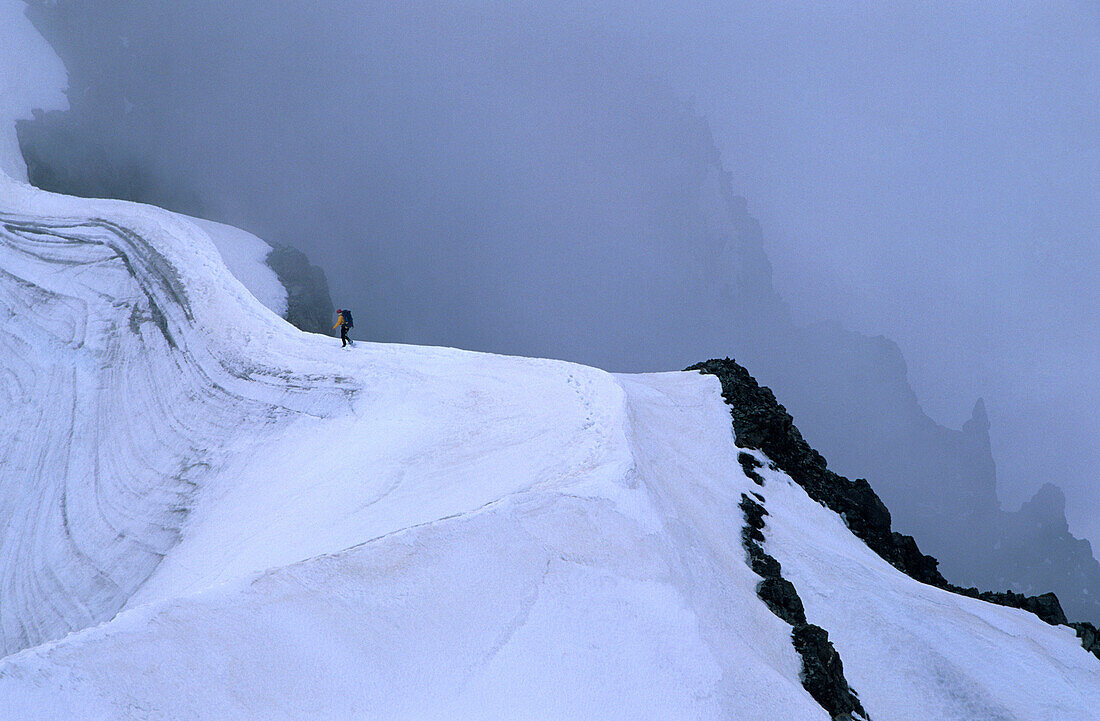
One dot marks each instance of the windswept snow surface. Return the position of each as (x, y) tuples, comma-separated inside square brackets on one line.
[(133, 371)]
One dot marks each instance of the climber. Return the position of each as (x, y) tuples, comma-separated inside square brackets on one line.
[(344, 323)]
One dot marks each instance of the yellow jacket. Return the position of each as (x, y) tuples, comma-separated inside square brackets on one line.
[(339, 321)]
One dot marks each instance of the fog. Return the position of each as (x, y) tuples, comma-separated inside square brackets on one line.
[(931, 174), (523, 179)]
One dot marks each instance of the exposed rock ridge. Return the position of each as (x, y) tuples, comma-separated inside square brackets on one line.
[(822, 672), (760, 422)]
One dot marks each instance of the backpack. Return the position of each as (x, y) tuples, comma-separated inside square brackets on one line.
[(347, 319)]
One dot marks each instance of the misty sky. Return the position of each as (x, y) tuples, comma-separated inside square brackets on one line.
[(926, 171)]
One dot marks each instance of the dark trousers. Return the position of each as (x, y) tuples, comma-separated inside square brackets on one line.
[(343, 335)]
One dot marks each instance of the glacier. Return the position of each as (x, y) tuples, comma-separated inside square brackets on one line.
[(208, 514)]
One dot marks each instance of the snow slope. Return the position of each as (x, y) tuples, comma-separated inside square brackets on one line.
[(32, 77), (124, 388), (917, 652), (296, 530), (246, 257)]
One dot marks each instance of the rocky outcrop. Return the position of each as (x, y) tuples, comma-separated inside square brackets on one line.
[(308, 303), (1034, 551), (853, 403), (1090, 637), (760, 422)]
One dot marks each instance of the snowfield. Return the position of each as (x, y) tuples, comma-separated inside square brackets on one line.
[(207, 514)]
